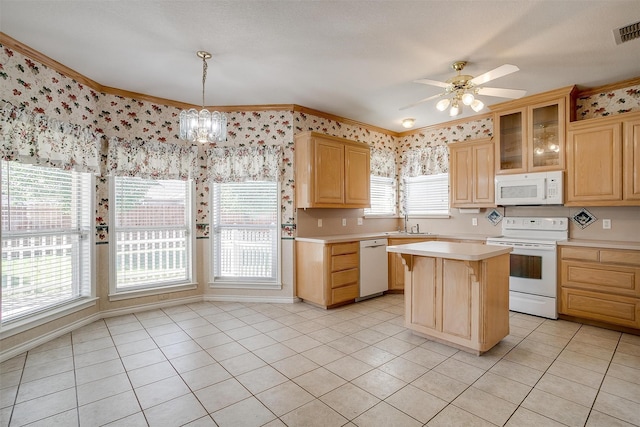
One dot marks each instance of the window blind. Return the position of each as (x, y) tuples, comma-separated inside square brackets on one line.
[(47, 216), (383, 196), (152, 228), (245, 231), (427, 195)]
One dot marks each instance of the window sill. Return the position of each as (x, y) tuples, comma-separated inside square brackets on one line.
[(38, 319), (138, 293)]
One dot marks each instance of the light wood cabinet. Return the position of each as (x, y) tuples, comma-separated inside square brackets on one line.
[(471, 174), (465, 303), (331, 172), (396, 267), (600, 284), (530, 132), (603, 161), (328, 274)]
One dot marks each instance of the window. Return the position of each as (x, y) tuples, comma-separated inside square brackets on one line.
[(47, 238), (427, 195), (245, 233), (383, 196), (152, 228)]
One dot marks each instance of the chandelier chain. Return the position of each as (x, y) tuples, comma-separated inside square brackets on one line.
[(204, 77)]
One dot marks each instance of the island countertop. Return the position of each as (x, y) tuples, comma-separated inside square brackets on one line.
[(451, 250)]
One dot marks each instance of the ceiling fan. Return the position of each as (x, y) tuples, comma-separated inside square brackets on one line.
[(462, 89)]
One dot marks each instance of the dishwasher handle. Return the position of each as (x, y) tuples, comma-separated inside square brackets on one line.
[(375, 246)]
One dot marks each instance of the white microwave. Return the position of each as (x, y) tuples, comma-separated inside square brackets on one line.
[(538, 188)]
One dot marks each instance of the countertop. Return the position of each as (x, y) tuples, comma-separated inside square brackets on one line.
[(341, 238), (609, 244), (451, 250)]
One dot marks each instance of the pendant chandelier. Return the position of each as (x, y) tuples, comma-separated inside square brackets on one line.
[(203, 126)]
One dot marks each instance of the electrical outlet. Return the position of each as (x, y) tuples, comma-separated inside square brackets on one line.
[(319, 222), (359, 221), (606, 224), (474, 221), (344, 222)]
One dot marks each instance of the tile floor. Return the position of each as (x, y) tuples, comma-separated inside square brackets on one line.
[(233, 364)]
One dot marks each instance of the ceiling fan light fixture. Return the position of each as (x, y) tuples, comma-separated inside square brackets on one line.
[(443, 104), (477, 105), (468, 98), (455, 109)]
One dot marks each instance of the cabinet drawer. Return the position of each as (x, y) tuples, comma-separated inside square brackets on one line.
[(341, 278), (620, 257), (344, 248), (583, 254), (596, 277), (613, 309), (344, 262), (345, 293)]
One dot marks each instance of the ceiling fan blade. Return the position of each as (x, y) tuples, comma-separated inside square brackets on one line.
[(501, 71), (432, 83), (502, 93), (421, 101)]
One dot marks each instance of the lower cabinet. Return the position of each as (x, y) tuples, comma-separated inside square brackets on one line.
[(600, 284), (465, 303), (328, 274)]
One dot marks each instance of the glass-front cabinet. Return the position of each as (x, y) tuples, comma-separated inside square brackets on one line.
[(530, 132)]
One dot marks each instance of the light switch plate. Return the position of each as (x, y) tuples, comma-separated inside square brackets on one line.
[(474, 221), (606, 224), (319, 222), (344, 222), (359, 221)]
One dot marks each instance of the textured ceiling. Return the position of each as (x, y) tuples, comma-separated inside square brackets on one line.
[(355, 59)]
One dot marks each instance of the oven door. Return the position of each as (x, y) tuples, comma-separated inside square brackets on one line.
[(532, 268)]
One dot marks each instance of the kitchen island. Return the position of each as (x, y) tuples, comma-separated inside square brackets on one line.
[(457, 293)]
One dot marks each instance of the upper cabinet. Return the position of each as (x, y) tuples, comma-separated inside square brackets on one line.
[(530, 132), (603, 161), (331, 172), (471, 173)]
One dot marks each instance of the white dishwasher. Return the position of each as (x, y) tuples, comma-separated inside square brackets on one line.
[(374, 277)]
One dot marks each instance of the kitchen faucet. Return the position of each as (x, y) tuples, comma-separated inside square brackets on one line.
[(406, 219)]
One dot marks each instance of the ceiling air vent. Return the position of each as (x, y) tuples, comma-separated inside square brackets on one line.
[(627, 33)]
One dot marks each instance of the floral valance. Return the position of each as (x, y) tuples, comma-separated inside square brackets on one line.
[(152, 159), (40, 140), (238, 164), (383, 163), (425, 161)]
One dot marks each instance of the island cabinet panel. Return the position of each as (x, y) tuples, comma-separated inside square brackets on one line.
[(463, 303), (600, 284), (456, 299), (428, 313)]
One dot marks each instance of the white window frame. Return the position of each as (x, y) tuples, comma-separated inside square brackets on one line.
[(380, 185), (189, 283), (86, 250), (244, 283), (421, 186)]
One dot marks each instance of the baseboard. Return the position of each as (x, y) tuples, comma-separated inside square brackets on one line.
[(150, 306)]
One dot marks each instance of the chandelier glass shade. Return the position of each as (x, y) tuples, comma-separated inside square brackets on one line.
[(203, 126)]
